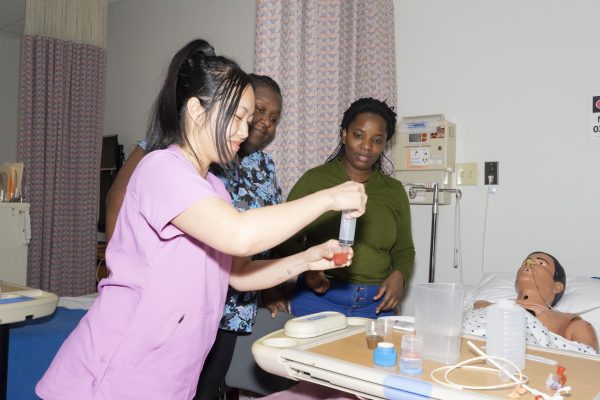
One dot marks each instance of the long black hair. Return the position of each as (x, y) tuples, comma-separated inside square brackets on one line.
[(374, 106), (196, 71)]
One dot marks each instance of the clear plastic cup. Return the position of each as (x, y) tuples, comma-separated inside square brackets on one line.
[(340, 256), (411, 361), (385, 326), (372, 334)]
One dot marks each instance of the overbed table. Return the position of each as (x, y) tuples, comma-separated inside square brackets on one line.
[(17, 304), (342, 360)]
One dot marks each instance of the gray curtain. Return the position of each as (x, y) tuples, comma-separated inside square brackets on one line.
[(325, 55), (60, 134)]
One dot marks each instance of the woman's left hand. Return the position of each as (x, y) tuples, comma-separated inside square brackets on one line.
[(275, 299), (391, 289), (320, 257), (317, 281)]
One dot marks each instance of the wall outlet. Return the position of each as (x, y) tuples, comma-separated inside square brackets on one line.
[(490, 172), (466, 173)]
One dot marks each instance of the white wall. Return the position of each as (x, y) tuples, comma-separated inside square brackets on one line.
[(10, 56), (145, 34), (517, 78)]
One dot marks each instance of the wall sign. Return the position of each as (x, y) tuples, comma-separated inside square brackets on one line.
[(595, 118)]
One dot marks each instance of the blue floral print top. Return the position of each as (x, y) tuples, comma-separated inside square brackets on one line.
[(251, 184)]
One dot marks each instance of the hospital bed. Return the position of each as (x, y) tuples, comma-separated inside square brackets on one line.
[(341, 359)]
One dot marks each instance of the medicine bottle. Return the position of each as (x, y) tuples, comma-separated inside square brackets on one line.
[(505, 332)]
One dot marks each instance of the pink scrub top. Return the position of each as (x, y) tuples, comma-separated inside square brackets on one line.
[(155, 319)]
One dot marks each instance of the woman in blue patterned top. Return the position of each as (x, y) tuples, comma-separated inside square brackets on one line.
[(251, 183)]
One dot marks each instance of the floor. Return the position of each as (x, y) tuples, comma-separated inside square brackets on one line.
[(235, 394), (246, 396)]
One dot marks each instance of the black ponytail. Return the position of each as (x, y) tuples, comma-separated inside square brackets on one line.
[(165, 111), (196, 71)]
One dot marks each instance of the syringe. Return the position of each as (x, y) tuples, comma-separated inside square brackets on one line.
[(346, 238)]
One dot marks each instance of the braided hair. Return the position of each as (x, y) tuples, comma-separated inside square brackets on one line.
[(374, 106), (264, 80)]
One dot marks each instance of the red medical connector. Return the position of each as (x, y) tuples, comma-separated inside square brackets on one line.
[(560, 371)]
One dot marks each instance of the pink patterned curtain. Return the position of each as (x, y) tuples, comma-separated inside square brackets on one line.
[(60, 134), (325, 54)]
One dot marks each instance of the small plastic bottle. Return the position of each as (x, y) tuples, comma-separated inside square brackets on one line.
[(505, 332), (385, 354)]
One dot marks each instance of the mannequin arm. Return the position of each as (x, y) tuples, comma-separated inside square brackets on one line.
[(582, 331), (481, 304)]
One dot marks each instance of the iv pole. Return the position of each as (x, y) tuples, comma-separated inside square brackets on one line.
[(435, 204)]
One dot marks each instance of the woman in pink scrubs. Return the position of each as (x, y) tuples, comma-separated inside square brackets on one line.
[(156, 316)]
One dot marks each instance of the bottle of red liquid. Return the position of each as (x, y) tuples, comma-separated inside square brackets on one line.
[(346, 239)]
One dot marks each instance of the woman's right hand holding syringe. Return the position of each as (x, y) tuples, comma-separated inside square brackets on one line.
[(259, 229), (348, 196)]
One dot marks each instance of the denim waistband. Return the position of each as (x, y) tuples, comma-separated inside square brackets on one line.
[(352, 299), (342, 284)]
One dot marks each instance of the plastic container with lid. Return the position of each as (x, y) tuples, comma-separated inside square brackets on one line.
[(385, 354)]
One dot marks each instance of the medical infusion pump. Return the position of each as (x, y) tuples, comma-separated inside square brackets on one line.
[(425, 143), (424, 154)]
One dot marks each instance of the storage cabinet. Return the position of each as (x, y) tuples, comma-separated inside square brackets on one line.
[(15, 233)]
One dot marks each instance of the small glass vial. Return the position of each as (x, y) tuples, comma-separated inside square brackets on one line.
[(411, 361)]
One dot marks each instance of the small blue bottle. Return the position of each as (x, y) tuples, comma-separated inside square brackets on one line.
[(385, 354)]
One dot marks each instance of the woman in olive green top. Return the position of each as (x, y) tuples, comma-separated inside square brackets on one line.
[(383, 248)]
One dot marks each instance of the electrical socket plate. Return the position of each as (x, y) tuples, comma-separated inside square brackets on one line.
[(490, 168), (466, 174)]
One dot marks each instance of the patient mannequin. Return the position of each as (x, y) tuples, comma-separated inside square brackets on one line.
[(540, 284)]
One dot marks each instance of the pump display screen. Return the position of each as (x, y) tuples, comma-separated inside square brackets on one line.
[(417, 137)]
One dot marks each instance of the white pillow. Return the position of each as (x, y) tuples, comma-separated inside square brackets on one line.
[(582, 294)]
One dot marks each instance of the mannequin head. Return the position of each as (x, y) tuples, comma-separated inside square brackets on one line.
[(540, 280)]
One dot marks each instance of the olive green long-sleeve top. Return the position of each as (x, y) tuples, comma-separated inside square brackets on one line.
[(383, 240)]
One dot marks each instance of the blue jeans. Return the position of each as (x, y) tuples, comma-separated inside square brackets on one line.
[(352, 300)]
